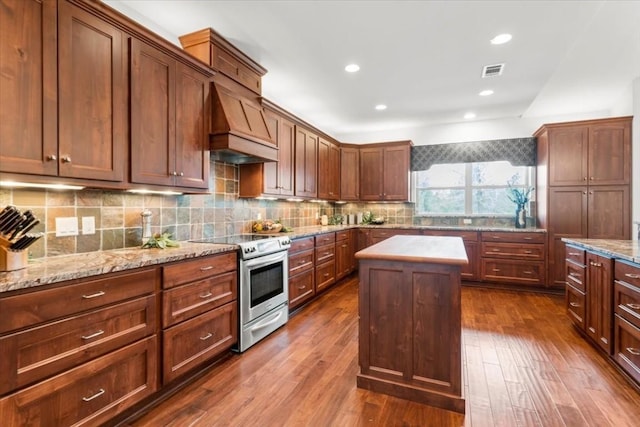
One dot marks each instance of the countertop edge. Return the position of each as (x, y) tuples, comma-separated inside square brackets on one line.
[(627, 250)]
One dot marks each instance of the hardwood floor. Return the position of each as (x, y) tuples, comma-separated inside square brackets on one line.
[(524, 365)]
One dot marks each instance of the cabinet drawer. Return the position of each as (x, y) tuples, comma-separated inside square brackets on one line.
[(325, 275), (467, 236), (520, 272), (198, 269), (185, 302), (513, 250), (575, 275), (90, 394), (196, 340), (627, 273), (299, 245), (301, 288), (325, 253), (575, 254), (30, 309), (342, 235), (627, 347), (302, 261), (37, 353), (325, 239), (575, 300), (627, 302), (513, 237)]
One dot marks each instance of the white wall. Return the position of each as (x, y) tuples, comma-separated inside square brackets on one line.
[(635, 154)]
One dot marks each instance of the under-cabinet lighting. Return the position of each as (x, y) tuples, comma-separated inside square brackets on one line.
[(160, 192), (266, 198), (18, 184), (294, 200)]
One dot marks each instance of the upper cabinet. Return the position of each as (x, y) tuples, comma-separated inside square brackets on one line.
[(170, 107), (384, 171), (64, 116), (306, 163), (328, 170), (349, 173)]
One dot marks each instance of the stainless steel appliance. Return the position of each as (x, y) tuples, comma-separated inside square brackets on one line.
[(263, 290)]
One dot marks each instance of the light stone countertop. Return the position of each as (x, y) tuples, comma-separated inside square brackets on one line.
[(628, 250), (67, 267), (418, 249)]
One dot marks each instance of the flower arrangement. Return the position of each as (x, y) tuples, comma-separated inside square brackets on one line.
[(519, 196)]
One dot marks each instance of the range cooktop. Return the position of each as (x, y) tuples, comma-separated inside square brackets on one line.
[(252, 245)]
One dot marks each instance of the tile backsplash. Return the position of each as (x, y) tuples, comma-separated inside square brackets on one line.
[(118, 223)]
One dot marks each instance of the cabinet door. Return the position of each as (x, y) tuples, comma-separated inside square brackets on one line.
[(609, 212), (28, 129), (334, 172), (270, 172), (306, 147), (286, 157), (192, 128), (349, 174), (395, 186), (371, 167), (609, 153), (152, 115), (568, 155), (325, 179), (92, 96), (599, 294)]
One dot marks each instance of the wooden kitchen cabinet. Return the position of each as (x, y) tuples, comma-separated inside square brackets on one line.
[(328, 170), (349, 173), (470, 271), (88, 78), (272, 178), (325, 260), (513, 258), (598, 295), (584, 185), (345, 250), (301, 271), (576, 276), (200, 312), (306, 163), (384, 171), (626, 304), (170, 109)]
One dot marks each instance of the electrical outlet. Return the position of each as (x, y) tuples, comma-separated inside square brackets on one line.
[(466, 221), (66, 226), (88, 225)]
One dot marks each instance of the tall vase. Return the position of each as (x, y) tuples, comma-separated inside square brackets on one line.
[(521, 217)]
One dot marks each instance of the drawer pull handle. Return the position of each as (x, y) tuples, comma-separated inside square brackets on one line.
[(205, 296), (527, 272), (633, 306), (302, 287), (302, 262), (595, 264), (495, 237), (95, 334), (207, 268), (573, 254), (574, 304), (325, 275), (97, 294), (495, 250), (90, 398), (496, 270), (206, 337), (633, 351), (632, 276), (528, 238), (572, 274), (528, 252)]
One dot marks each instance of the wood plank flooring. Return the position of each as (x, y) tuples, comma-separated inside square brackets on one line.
[(524, 365)]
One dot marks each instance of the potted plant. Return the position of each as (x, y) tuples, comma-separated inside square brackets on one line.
[(520, 196)]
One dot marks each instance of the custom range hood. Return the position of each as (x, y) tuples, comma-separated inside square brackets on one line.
[(239, 130)]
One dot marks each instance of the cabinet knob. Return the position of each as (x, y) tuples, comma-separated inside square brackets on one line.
[(52, 157), (181, 173), (174, 173), (591, 178), (66, 159), (584, 178), (584, 192)]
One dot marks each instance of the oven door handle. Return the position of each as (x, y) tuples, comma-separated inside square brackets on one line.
[(265, 260), (269, 323)]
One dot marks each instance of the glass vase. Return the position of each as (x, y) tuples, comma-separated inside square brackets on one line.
[(521, 217)]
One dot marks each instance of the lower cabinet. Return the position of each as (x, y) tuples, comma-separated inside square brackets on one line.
[(325, 260), (345, 259), (471, 271), (515, 258), (301, 271), (626, 302)]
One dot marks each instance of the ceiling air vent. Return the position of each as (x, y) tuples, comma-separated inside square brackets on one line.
[(492, 70)]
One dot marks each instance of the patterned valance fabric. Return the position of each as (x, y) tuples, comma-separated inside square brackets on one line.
[(517, 151)]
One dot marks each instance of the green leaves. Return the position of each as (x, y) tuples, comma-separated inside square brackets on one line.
[(160, 241)]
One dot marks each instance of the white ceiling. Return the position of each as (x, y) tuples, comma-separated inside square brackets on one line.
[(423, 59)]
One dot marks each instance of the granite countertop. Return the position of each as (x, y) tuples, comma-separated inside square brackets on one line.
[(432, 249), (67, 267), (628, 250)]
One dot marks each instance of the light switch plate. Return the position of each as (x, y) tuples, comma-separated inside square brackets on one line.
[(88, 225), (66, 226)]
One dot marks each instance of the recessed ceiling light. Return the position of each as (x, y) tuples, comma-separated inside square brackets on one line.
[(470, 115), (486, 92), (501, 39), (381, 107), (352, 68)]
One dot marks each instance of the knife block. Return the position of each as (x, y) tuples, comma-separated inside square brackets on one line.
[(12, 260)]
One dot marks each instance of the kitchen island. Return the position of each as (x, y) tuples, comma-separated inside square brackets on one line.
[(410, 320)]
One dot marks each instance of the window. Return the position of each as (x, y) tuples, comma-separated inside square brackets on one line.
[(469, 188)]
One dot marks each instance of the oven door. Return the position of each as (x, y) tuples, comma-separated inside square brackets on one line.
[(263, 285)]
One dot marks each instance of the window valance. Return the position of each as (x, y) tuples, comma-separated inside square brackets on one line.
[(517, 151)]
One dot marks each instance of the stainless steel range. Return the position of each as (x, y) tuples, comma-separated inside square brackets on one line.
[(263, 290)]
